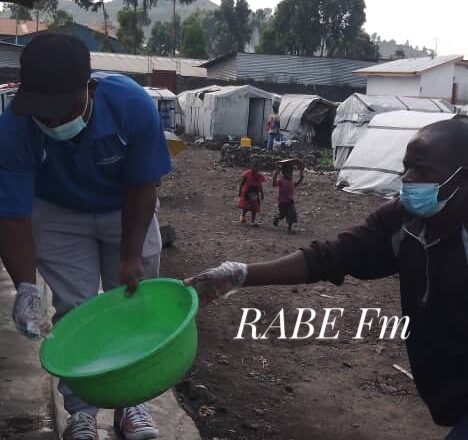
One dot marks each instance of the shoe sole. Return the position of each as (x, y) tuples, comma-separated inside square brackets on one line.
[(142, 435)]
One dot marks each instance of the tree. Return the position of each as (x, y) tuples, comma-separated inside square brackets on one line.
[(400, 53), (19, 12), (359, 48), (161, 41), (131, 25), (228, 28), (193, 41), (324, 27), (133, 5), (43, 8), (60, 18), (296, 29)]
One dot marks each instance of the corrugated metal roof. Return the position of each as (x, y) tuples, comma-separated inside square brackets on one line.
[(10, 55), (301, 70), (8, 26), (158, 93), (407, 66), (290, 69), (124, 63)]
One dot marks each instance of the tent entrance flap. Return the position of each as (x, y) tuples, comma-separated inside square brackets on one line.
[(255, 128)]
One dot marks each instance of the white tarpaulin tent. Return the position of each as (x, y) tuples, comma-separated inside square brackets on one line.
[(166, 103), (221, 111), (376, 163), (307, 118), (353, 115)]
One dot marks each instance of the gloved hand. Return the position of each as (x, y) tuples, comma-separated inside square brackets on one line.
[(218, 281), (30, 311)]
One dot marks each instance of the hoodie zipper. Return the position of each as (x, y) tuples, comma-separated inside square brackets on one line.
[(426, 246)]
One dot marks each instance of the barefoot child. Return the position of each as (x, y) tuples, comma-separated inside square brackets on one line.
[(286, 189), (250, 192)]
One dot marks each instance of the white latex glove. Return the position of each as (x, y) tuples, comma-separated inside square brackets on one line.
[(30, 311), (219, 281)]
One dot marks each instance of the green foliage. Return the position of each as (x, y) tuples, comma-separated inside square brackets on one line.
[(400, 53), (131, 24), (193, 40), (161, 41), (19, 12), (324, 27), (228, 28), (60, 18), (325, 162), (43, 8)]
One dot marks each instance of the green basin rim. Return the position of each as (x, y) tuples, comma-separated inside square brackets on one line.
[(193, 310)]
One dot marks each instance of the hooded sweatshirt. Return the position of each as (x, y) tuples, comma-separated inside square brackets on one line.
[(431, 260)]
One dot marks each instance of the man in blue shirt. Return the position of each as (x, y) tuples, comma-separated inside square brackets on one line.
[(79, 159)]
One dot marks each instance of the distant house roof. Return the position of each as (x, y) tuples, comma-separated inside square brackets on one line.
[(8, 27), (100, 28), (408, 66), (219, 59), (10, 55), (143, 64), (94, 39)]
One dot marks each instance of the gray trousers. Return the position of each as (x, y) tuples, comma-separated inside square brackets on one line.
[(76, 253)]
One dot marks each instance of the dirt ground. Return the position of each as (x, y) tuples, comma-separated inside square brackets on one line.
[(274, 389)]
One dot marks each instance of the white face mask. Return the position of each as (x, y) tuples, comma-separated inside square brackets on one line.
[(70, 129)]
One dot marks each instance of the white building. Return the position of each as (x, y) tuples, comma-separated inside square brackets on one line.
[(444, 77)]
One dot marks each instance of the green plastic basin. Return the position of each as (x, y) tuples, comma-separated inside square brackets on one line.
[(115, 351)]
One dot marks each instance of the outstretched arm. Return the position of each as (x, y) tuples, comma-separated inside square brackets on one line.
[(275, 178), (364, 252), (301, 178), (17, 249)]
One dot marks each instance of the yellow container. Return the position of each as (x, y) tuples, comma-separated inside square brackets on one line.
[(246, 142)]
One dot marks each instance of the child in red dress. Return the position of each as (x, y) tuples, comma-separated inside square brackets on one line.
[(251, 192)]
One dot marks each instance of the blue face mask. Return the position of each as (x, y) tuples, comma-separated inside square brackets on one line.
[(68, 130), (421, 199)]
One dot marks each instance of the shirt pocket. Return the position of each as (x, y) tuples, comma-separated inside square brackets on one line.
[(108, 154)]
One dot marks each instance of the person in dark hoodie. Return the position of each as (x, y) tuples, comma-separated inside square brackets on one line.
[(422, 236)]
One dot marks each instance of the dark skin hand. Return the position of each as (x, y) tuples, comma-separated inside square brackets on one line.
[(17, 249), (137, 213)]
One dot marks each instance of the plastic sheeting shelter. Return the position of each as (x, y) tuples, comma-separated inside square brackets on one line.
[(220, 111), (308, 118), (376, 163), (353, 115), (166, 103)]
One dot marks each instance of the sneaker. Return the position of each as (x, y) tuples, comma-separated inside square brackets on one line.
[(275, 221), (242, 219), (135, 423), (81, 426)]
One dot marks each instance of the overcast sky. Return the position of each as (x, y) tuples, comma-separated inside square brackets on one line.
[(419, 21)]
